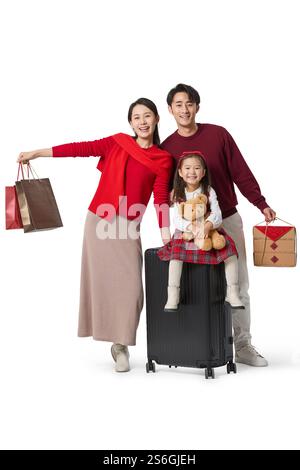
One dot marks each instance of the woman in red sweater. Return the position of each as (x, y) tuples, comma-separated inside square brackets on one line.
[(111, 291)]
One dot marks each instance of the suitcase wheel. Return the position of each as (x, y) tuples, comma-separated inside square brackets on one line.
[(209, 372), (231, 367), (150, 366)]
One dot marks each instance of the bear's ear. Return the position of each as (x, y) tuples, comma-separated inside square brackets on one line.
[(181, 209)]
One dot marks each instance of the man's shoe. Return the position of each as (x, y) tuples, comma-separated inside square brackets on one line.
[(248, 355), (121, 356)]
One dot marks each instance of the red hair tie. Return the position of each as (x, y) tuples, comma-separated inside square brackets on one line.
[(192, 152)]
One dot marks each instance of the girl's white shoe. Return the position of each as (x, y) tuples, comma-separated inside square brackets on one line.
[(233, 297), (173, 299)]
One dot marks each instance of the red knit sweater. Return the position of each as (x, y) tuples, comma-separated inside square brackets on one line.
[(139, 180), (225, 163)]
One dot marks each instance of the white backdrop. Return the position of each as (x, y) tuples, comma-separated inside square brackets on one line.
[(70, 69)]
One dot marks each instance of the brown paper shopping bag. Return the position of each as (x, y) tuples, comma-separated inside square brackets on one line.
[(37, 203), (275, 245)]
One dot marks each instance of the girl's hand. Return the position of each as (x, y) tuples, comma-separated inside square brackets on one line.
[(207, 228)]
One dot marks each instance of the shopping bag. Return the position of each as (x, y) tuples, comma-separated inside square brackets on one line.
[(12, 211), (37, 203), (275, 245)]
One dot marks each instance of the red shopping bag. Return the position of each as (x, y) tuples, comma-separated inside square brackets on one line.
[(12, 210)]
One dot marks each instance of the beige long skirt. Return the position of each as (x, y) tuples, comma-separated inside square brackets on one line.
[(111, 290)]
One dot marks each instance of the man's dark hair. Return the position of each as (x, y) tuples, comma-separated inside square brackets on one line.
[(182, 88)]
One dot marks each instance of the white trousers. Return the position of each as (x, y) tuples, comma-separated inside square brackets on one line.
[(231, 271), (233, 225)]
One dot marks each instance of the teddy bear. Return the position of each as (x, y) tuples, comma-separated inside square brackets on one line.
[(195, 210)]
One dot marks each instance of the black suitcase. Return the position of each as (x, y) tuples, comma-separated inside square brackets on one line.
[(199, 333)]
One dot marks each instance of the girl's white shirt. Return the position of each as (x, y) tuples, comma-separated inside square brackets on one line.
[(215, 216)]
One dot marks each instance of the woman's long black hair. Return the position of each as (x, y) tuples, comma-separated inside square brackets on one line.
[(150, 105), (179, 184)]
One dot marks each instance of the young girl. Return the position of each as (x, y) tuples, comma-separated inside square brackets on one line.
[(191, 179)]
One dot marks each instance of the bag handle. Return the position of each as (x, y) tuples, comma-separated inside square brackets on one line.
[(20, 166), (265, 243), (283, 221), (276, 218), (29, 168)]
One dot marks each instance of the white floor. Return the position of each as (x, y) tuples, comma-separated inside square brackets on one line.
[(60, 392)]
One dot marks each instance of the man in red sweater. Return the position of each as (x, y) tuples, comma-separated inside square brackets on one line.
[(227, 167)]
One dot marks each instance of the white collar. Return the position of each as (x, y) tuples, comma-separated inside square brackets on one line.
[(197, 191)]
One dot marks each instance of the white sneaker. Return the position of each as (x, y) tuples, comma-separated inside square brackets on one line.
[(173, 299), (248, 355), (233, 297), (121, 356)]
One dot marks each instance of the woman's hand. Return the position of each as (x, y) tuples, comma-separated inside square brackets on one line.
[(165, 235), (24, 157)]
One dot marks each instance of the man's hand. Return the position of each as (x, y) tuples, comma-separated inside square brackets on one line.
[(269, 214)]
